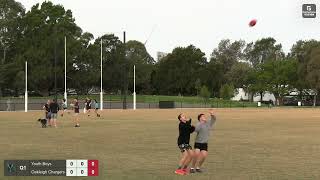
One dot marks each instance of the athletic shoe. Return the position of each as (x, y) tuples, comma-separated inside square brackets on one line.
[(180, 172), (77, 125), (199, 170), (186, 170), (192, 170)]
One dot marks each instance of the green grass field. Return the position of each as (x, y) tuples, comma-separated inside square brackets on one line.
[(246, 144)]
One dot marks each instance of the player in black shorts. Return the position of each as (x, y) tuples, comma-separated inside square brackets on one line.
[(202, 129), (76, 112), (88, 106), (47, 112), (185, 129)]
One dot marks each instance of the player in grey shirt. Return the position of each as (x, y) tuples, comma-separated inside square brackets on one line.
[(201, 143)]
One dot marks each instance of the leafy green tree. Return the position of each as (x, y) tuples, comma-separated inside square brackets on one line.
[(85, 71), (226, 55), (11, 13), (205, 93), (238, 74), (262, 51), (227, 91), (279, 76), (197, 85), (137, 55), (313, 71), (213, 76), (299, 52), (42, 42), (115, 65), (177, 72)]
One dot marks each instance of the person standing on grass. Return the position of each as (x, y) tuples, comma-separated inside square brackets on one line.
[(88, 105), (185, 129), (96, 107), (64, 106), (46, 109), (9, 105), (54, 109), (201, 143), (76, 112)]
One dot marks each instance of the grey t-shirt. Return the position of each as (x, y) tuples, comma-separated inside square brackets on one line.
[(203, 130)]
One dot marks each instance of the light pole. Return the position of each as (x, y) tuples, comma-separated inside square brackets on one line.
[(26, 89), (134, 88), (65, 69), (101, 85), (125, 73), (55, 60)]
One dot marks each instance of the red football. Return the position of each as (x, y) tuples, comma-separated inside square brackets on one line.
[(253, 22)]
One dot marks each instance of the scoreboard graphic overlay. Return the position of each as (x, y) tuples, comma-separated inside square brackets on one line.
[(77, 167)]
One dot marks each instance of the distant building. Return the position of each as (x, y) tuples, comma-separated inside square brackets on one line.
[(243, 95), (161, 55)]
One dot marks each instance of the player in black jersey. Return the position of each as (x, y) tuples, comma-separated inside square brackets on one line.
[(185, 129), (46, 109)]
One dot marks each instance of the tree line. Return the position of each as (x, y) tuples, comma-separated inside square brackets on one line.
[(37, 36)]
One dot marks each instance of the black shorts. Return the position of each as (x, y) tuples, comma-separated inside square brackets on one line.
[(201, 146), (48, 115), (88, 107), (184, 147)]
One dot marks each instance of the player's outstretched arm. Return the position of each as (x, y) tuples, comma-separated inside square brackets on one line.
[(193, 128), (212, 117)]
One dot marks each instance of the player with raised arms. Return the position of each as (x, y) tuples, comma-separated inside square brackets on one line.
[(202, 128), (185, 129)]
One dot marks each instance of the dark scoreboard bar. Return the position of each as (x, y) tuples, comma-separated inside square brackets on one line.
[(77, 167)]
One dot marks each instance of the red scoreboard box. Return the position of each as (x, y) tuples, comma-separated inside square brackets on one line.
[(93, 168)]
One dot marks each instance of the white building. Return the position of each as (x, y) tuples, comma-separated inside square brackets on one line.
[(245, 96)]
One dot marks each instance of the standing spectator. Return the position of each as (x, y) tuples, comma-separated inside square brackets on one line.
[(76, 112), (96, 107), (88, 105), (64, 106), (9, 105), (46, 109), (54, 108)]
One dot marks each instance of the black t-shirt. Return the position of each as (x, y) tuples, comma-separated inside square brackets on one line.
[(46, 106), (185, 129), (76, 107), (54, 107), (88, 103)]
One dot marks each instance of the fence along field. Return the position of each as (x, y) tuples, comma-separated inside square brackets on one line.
[(115, 102)]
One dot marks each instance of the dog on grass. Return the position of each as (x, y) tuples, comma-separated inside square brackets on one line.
[(43, 122)]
